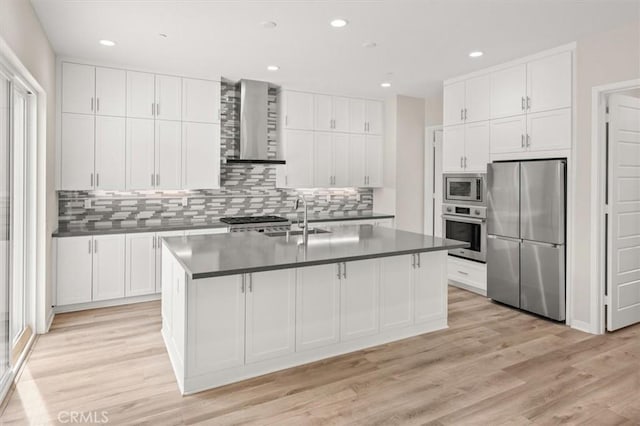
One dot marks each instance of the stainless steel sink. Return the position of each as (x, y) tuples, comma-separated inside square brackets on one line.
[(295, 233)]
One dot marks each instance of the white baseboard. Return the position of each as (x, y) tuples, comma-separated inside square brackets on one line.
[(473, 289), (106, 303), (584, 326), (52, 315)]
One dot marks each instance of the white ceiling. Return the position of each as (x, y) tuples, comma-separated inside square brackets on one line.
[(420, 42)]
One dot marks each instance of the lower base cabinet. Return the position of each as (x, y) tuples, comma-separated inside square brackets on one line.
[(140, 264), (108, 267), (359, 296), (396, 291)]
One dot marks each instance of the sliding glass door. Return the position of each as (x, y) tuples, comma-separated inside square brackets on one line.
[(5, 222)]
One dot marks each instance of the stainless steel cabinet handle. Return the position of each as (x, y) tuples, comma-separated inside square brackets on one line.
[(528, 102), (158, 110), (461, 163), (286, 180), (157, 179), (91, 104), (528, 140), (97, 180), (89, 246), (152, 180), (461, 114), (522, 140), (465, 114), (344, 271), (153, 242), (250, 283), (95, 246), (413, 261), (522, 103), (153, 109), (244, 277), (465, 162), (365, 126), (463, 273), (418, 257), (339, 270), (97, 104), (286, 120), (92, 180)]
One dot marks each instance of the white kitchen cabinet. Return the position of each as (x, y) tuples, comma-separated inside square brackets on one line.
[(467, 274), (317, 306), (374, 115), (430, 296), (168, 154), (341, 120), (508, 91), (477, 99), (77, 150), (508, 135), (140, 95), (453, 149), (297, 110), (73, 270), (299, 155), (111, 85), (453, 103), (357, 116), (140, 264), (340, 145), (331, 160), (206, 231), (179, 299), (158, 248), (331, 113), (200, 155), (357, 160), (396, 292), (216, 335), (476, 147), (549, 83), (200, 101), (360, 307), (79, 84), (373, 161), (168, 94), (110, 149), (549, 130), (270, 315), (140, 168), (108, 267)]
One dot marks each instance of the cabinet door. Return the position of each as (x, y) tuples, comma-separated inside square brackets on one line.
[(200, 156), (549, 130), (323, 113), (140, 264), (453, 149), (508, 90), (78, 88), (271, 313), (323, 160), (374, 161), (168, 154), (110, 153), (299, 157), (359, 299), (73, 270), (108, 267), (168, 97), (396, 291), (159, 265), (111, 89), (200, 101), (476, 147), (140, 95), (340, 114), (178, 310), (549, 83), (298, 110), (478, 99), (357, 116), (216, 337), (357, 160), (77, 151), (340, 160), (317, 306), (508, 135), (375, 112), (430, 282), (140, 171), (453, 103)]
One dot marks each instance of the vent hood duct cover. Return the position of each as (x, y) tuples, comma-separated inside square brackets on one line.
[(254, 100)]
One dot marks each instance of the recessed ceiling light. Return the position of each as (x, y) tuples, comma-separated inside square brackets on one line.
[(369, 44), (338, 22), (107, 43), (268, 24), (163, 35), (273, 67), (476, 54), (386, 84)]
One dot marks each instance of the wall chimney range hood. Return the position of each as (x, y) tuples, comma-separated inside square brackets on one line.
[(254, 98)]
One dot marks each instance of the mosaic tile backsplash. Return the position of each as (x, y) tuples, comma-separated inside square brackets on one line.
[(247, 189)]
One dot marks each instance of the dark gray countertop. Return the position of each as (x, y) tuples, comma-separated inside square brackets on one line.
[(130, 227), (205, 256)]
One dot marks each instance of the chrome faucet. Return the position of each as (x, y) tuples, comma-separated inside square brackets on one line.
[(305, 225)]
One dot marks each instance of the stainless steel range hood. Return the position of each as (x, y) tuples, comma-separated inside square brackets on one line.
[(254, 98)]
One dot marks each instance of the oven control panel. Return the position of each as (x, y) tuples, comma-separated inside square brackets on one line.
[(462, 210)]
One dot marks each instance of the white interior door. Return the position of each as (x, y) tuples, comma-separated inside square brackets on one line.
[(623, 247)]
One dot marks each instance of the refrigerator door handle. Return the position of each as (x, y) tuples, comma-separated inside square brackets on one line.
[(540, 243), (500, 237)]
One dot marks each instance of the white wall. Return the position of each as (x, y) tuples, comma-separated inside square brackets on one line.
[(20, 29), (602, 58)]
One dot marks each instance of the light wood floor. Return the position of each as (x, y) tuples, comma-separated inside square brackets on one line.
[(494, 365)]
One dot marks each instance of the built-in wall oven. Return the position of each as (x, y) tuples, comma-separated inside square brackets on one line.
[(464, 189), (469, 224)]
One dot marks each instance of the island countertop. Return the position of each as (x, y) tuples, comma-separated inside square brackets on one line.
[(205, 256)]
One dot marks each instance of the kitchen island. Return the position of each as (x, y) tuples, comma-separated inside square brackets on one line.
[(239, 305)]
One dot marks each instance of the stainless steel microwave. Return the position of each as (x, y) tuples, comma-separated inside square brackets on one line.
[(464, 188)]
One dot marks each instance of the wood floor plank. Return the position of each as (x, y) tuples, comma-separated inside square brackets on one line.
[(493, 366)]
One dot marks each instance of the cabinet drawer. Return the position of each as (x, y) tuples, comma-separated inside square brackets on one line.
[(473, 274)]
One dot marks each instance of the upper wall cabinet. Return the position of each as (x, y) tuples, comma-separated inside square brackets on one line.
[(331, 113), (539, 85), (140, 95), (467, 101), (366, 116), (168, 98), (93, 90), (297, 110), (200, 101)]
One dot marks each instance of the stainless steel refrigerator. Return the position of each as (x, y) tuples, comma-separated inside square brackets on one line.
[(526, 205)]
